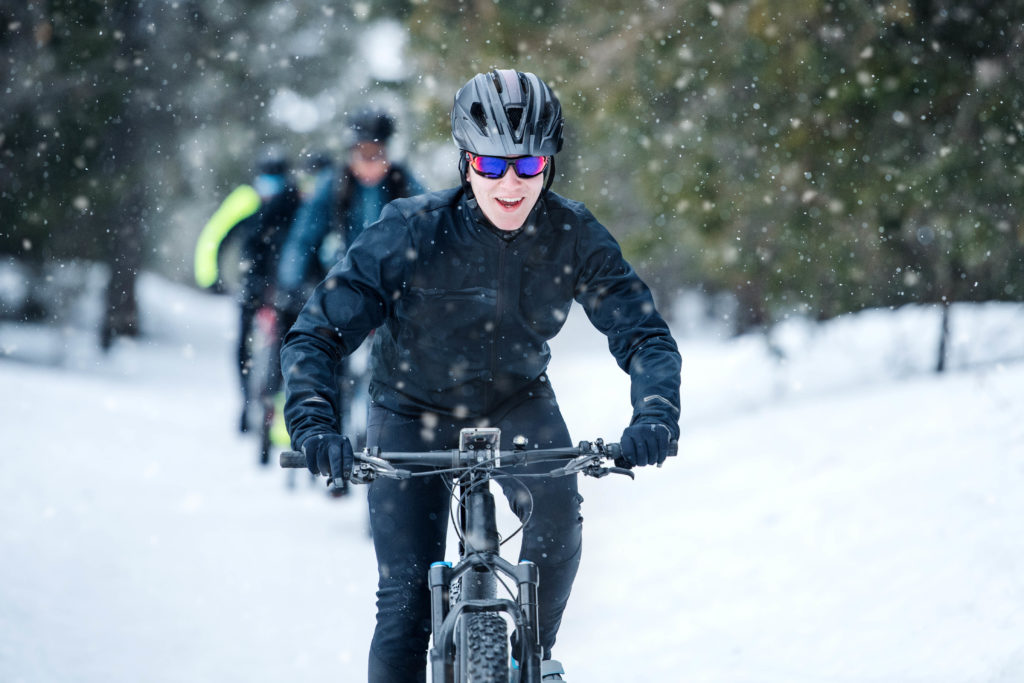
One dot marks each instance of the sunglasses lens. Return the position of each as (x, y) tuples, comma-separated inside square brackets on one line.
[(527, 167), (495, 167), (489, 167)]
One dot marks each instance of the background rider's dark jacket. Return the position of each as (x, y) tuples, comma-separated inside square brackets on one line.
[(464, 313), (261, 241), (333, 208)]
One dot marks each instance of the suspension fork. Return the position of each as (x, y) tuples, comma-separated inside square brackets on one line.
[(478, 520)]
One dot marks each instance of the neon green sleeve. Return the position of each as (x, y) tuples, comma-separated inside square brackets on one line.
[(236, 207)]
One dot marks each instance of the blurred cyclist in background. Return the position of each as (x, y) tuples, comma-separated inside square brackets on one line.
[(257, 217), (343, 202)]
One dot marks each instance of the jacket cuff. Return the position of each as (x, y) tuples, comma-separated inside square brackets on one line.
[(672, 427)]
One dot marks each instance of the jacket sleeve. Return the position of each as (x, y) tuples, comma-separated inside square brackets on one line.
[(621, 306), (242, 203), (356, 297)]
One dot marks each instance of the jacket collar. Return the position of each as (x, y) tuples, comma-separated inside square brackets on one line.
[(530, 226)]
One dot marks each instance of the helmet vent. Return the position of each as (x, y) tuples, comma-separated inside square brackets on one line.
[(515, 115), (476, 110), (546, 114)]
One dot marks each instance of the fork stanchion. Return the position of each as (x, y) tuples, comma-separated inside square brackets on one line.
[(528, 577)]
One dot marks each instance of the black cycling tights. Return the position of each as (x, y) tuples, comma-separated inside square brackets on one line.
[(409, 521)]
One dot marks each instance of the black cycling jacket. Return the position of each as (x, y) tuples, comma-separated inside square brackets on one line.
[(463, 315)]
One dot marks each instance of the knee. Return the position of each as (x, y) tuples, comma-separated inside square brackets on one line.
[(556, 536)]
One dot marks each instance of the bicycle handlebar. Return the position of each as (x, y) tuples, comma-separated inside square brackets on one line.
[(293, 459), (585, 457)]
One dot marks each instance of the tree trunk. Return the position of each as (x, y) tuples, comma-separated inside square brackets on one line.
[(121, 313), (122, 164), (940, 365)]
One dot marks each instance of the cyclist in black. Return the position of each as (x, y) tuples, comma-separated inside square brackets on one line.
[(258, 216), (465, 287)]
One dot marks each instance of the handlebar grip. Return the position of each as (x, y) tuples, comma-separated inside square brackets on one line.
[(293, 459)]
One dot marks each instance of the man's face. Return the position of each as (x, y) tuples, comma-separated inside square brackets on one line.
[(508, 200), (369, 162)]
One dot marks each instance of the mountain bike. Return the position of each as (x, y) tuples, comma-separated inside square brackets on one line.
[(470, 622), (264, 375)]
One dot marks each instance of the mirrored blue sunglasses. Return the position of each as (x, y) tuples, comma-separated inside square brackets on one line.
[(496, 167)]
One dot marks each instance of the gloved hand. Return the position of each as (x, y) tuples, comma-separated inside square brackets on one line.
[(645, 443), (330, 455)]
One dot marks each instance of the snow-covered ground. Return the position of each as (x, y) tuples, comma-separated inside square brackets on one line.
[(837, 513)]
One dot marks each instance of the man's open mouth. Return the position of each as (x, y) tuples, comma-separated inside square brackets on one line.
[(509, 203)]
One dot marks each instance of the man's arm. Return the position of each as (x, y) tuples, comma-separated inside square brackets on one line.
[(621, 306)]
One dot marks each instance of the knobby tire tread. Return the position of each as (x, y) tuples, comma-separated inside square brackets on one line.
[(487, 635)]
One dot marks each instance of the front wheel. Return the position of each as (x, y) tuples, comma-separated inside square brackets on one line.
[(485, 648)]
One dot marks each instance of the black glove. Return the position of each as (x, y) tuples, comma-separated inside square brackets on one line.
[(645, 443), (330, 455)]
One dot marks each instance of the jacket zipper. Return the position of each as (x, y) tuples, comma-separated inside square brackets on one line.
[(499, 305)]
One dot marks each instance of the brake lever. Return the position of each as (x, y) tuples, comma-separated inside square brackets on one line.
[(368, 467), (583, 463), (598, 471), (591, 466)]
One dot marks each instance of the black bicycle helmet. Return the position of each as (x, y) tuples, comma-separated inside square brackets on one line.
[(272, 162), (371, 125), (507, 113)]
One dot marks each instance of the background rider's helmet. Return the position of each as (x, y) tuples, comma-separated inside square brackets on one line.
[(272, 170), (507, 113), (272, 162), (371, 125)]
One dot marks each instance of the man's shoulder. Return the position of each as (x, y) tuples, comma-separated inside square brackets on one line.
[(572, 218), (566, 209), (424, 205), (416, 219)]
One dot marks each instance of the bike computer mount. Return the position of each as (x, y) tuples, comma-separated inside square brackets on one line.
[(485, 442)]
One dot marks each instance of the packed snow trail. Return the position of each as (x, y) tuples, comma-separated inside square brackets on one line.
[(844, 515)]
